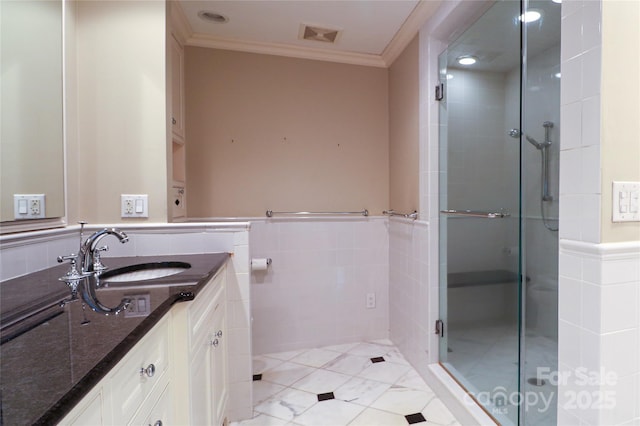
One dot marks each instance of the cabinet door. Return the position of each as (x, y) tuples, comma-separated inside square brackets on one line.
[(177, 88), (200, 383), (218, 360)]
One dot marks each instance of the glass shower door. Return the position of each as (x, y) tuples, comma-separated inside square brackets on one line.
[(480, 210)]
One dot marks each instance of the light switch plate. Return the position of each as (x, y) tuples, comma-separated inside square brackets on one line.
[(132, 205), (28, 206), (626, 202)]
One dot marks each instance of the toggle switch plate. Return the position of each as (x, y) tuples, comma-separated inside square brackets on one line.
[(626, 202), (28, 206), (132, 205)]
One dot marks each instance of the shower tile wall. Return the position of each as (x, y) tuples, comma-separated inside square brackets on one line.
[(314, 292)]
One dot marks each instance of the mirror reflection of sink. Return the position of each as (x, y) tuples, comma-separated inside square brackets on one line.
[(143, 272)]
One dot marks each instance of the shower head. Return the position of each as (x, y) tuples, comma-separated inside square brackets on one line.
[(515, 133)]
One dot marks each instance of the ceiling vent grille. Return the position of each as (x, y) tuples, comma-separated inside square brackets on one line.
[(312, 32)]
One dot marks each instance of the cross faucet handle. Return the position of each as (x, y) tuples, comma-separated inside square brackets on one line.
[(97, 262), (72, 275)]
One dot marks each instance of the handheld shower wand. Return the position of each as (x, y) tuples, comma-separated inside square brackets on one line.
[(543, 147)]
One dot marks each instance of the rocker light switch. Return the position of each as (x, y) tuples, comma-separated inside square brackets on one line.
[(625, 202)]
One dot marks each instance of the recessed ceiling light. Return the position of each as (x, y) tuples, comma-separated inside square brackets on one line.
[(213, 17), (557, 1), (530, 16), (467, 60)]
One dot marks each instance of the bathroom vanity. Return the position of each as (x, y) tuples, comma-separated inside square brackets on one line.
[(159, 362)]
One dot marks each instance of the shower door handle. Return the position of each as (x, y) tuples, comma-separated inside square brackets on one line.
[(476, 213)]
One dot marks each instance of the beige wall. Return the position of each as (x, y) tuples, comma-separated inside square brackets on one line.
[(403, 131), (121, 110), (268, 132), (620, 109)]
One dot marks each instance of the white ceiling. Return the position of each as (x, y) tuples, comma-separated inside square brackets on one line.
[(372, 32)]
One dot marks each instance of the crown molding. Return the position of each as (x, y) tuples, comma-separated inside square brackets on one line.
[(411, 26), (180, 27), (280, 49)]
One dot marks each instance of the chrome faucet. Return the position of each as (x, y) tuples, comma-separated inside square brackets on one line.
[(85, 277), (89, 249)]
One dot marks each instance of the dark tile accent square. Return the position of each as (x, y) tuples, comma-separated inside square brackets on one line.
[(257, 377), (325, 396), (377, 359), (415, 418)]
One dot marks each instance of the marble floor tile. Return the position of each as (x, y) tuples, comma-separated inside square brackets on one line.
[(261, 420), (287, 373), (370, 350), (332, 412), (340, 385), (348, 364), (413, 380), (371, 416), (264, 390), (437, 412), (288, 404), (384, 372), (403, 400), (361, 391), (263, 363), (321, 381), (315, 357)]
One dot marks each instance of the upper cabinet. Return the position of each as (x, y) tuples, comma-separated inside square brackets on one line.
[(177, 83), (176, 113)]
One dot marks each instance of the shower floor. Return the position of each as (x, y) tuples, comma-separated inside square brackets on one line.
[(366, 383), (484, 357)]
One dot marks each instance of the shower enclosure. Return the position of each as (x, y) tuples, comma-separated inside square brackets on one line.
[(499, 160)]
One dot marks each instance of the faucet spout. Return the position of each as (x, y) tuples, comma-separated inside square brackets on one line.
[(88, 248)]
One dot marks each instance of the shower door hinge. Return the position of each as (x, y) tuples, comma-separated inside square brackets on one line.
[(440, 92), (440, 328)]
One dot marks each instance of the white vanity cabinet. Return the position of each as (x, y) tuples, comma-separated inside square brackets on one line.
[(199, 329), (176, 374), (133, 388)]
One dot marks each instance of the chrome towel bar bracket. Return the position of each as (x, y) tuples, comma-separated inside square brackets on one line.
[(413, 215)]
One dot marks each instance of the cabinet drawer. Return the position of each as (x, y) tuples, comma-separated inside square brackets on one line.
[(156, 411), (140, 372)]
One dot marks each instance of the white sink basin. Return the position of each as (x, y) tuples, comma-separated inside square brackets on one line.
[(143, 272)]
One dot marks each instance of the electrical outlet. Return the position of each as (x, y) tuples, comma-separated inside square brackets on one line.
[(28, 206), (140, 305), (134, 205), (371, 300)]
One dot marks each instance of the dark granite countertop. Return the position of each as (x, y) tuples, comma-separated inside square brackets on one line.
[(49, 361)]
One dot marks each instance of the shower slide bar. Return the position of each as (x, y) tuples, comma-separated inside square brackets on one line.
[(475, 213), (392, 212), (270, 213)]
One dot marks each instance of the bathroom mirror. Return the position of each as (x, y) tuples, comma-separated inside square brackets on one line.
[(31, 105)]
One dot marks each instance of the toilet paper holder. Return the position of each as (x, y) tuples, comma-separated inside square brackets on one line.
[(260, 264)]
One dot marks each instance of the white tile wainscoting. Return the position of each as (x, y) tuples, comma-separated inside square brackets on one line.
[(599, 333), (314, 292)]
